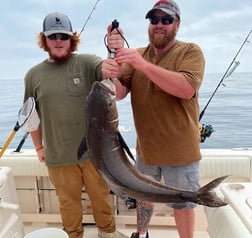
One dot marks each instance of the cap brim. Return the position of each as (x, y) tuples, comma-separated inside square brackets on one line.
[(165, 10), (47, 33)]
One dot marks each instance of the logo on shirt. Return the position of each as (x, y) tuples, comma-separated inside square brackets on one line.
[(76, 80)]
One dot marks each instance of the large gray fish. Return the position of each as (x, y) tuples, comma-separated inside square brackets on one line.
[(108, 155)]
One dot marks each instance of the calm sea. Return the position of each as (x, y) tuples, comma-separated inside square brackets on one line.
[(229, 112)]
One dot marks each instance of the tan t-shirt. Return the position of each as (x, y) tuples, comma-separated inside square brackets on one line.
[(167, 126)]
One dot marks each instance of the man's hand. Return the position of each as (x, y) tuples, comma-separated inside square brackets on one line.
[(41, 156), (110, 69), (131, 57), (114, 39)]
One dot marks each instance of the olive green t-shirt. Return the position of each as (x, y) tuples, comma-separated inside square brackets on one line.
[(167, 126), (60, 90)]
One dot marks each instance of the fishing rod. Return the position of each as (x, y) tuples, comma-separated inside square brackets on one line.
[(228, 72), (206, 129), (82, 29)]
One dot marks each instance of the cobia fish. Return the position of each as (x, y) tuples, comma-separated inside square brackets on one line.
[(103, 142)]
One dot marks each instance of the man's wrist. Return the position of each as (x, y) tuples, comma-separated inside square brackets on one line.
[(39, 148)]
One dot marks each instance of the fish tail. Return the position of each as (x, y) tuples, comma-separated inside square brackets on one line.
[(207, 197)]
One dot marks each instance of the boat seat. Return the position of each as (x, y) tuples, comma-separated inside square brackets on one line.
[(237, 166), (214, 163), (224, 222)]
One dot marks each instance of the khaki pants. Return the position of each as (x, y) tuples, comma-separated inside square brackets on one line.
[(69, 182)]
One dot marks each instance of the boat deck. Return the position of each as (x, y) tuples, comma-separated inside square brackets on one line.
[(90, 231), (162, 222)]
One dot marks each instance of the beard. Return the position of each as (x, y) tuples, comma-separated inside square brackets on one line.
[(160, 41), (61, 58)]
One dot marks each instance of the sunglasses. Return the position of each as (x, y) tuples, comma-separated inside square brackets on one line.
[(166, 20), (59, 36)]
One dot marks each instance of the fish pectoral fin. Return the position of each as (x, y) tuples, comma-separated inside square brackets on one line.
[(82, 148), (125, 146)]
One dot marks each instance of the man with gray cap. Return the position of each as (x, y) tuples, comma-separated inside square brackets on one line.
[(60, 85), (164, 79)]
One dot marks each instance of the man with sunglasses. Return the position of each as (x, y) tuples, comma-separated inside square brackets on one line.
[(60, 85), (164, 79)]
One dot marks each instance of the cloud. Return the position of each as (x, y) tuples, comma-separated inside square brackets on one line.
[(219, 27)]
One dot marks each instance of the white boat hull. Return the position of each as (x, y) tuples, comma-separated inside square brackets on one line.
[(39, 204), (10, 217)]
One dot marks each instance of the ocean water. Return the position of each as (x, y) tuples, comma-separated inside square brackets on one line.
[(229, 112)]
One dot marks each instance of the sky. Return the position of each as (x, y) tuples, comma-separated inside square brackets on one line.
[(219, 27)]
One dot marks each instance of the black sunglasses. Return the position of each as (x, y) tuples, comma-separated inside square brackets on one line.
[(166, 20), (59, 36)]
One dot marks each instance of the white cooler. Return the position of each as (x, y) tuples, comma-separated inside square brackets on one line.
[(47, 233)]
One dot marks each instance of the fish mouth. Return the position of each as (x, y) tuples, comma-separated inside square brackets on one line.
[(108, 85)]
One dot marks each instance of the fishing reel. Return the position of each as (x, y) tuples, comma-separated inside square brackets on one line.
[(205, 131)]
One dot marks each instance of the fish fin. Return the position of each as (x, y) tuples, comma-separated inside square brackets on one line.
[(207, 197), (125, 146), (82, 148), (213, 184)]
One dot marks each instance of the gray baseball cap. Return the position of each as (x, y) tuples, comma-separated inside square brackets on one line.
[(57, 23), (167, 6)]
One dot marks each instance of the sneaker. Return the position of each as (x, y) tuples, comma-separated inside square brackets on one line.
[(136, 235), (115, 234)]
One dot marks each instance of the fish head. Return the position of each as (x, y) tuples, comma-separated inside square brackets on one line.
[(101, 105)]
